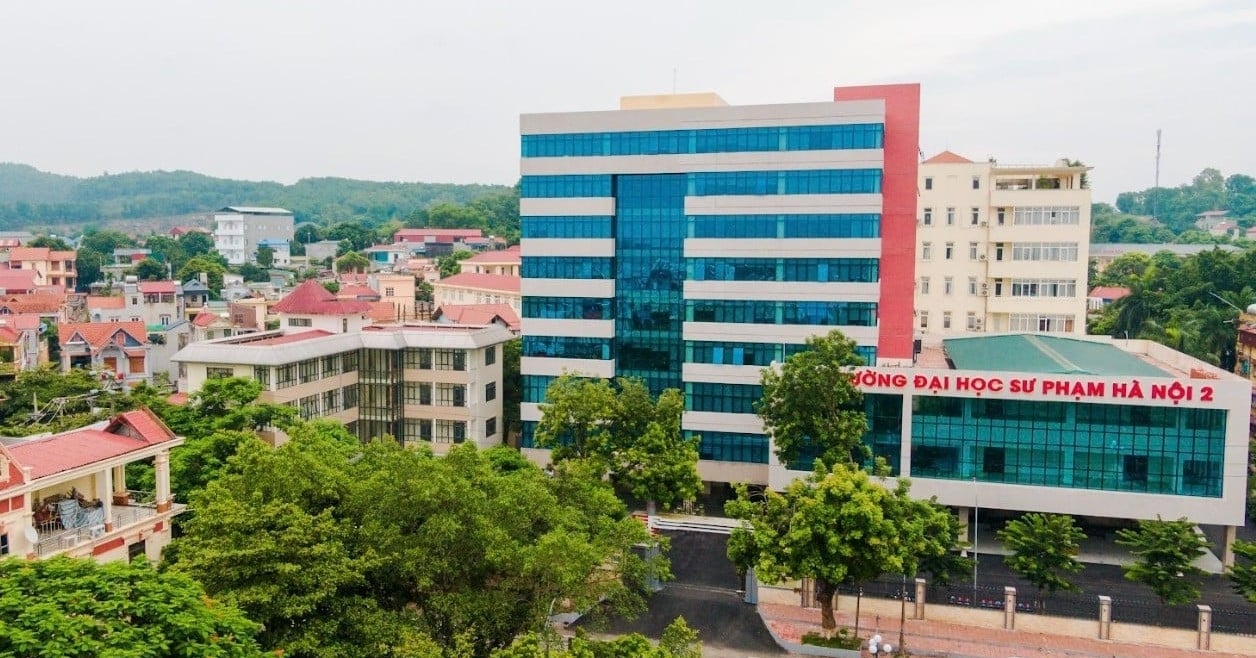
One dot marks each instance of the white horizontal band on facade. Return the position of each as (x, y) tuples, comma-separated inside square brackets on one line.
[(553, 367), (567, 207), (784, 291), (683, 163), (529, 411), (783, 248), (712, 421), (604, 288), (574, 328), (730, 116), (782, 204), (771, 333), (715, 373), (593, 247)]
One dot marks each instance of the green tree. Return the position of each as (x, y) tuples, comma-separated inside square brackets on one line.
[(332, 287), (195, 243), (67, 608), (150, 270), (166, 249), (197, 265), (470, 549), (352, 262), (307, 233), (1165, 552), (630, 435), (54, 243), (265, 256), (252, 273), (512, 383), (811, 404), (105, 241), (1243, 576), (834, 527), (1044, 549), (88, 264), (678, 641), (356, 234), (450, 265)]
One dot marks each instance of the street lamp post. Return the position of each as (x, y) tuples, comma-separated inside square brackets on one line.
[(976, 528)]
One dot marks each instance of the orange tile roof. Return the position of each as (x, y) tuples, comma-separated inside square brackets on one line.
[(479, 314), (105, 303), (948, 157), (311, 298), (18, 281), (382, 312), (78, 448), (34, 303), (21, 254), (291, 338), (178, 399), (1112, 293), (353, 291), (97, 334), (507, 255), (156, 287), (497, 282), (146, 424), (204, 319)]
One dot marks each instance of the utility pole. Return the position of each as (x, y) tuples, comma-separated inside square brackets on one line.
[(1155, 195)]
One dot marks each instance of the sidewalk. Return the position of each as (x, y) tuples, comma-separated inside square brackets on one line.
[(934, 638)]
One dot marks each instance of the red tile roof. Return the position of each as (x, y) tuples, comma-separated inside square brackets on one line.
[(157, 287), (34, 303), (382, 312), (507, 255), (22, 254), (497, 282), (17, 281), (479, 314), (420, 234), (311, 298), (21, 321), (204, 319), (15, 471), (353, 291), (1111, 293), (105, 303), (291, 338), (66, 452), (143, 423), (947, 157), (97, 334)]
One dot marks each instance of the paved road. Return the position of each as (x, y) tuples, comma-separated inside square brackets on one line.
[(705, 594)]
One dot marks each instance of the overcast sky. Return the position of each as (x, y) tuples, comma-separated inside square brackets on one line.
[(424, 91)]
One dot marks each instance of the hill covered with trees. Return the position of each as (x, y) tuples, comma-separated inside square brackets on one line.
[(1167, 214), (30, 198)]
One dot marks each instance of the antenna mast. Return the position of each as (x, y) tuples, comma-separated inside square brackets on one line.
[(1155, 196)]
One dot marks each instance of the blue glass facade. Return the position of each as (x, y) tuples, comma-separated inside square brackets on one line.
[(755, 354), (814, 181), (567, 347), (860, 270), (649, 276), (558, 267), (580, 185), (1165, 450), (577, 226), (567, 308), (706, 140), (829, 314), (852, 225)]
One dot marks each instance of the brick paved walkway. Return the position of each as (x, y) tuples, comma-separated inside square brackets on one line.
[(934, 638)]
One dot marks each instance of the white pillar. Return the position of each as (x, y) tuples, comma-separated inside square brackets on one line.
[(104, 493), (1227, 545), (161, 468)]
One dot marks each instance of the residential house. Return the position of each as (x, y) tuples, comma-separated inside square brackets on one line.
[(240, 229), (1208, 219), (311, 306), (18, 238), (471, 288), (51, 267), (183, 230), (1103, 296), (386, 256), (397, 289), (248, 314), (67, 494), (21, 344), (1224, 229), (281, 249), (505, 262), (195, 295), (322, 250), (478, 314), (423, 236), (165, 341), (17, 282), (209, 325), (155, 303), (420, 383), (51, 307), (119, 348)]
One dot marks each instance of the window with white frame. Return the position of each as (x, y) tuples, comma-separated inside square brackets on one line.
[(1044, 287), (972, 251), (971, 321), (948, 285), (924, 285), (1046, 216), (946, 319), (927, 220), (950, 250), (976, 216), (926, 251), (1045, 251), (950, 217), (972, 285), (924, 319), (1040, 322)]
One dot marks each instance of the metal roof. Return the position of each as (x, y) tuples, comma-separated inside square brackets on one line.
[(254, 349), (256, 210), (1046, 355)]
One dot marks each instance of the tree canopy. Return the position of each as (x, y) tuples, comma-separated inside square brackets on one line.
[(1044, 549), (79, 608), (1176, 207), (1164, 553), (811, 405), (1243, 573), (836, 527), (629, 434), (314, 537)]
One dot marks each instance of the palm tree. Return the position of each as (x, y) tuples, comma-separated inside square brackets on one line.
[(1143, 303)]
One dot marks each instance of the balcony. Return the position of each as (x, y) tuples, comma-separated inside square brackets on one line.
[(54, 537)]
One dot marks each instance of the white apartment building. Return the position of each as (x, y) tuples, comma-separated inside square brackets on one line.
[(1001, 247), (239, 229), (438, 384)]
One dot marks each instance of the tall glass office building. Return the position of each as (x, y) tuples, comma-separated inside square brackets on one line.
[(690, 243)]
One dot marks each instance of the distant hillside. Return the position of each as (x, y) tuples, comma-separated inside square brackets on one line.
[(30, 198)]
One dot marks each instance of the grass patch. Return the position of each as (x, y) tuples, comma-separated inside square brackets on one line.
[(843, 639)]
